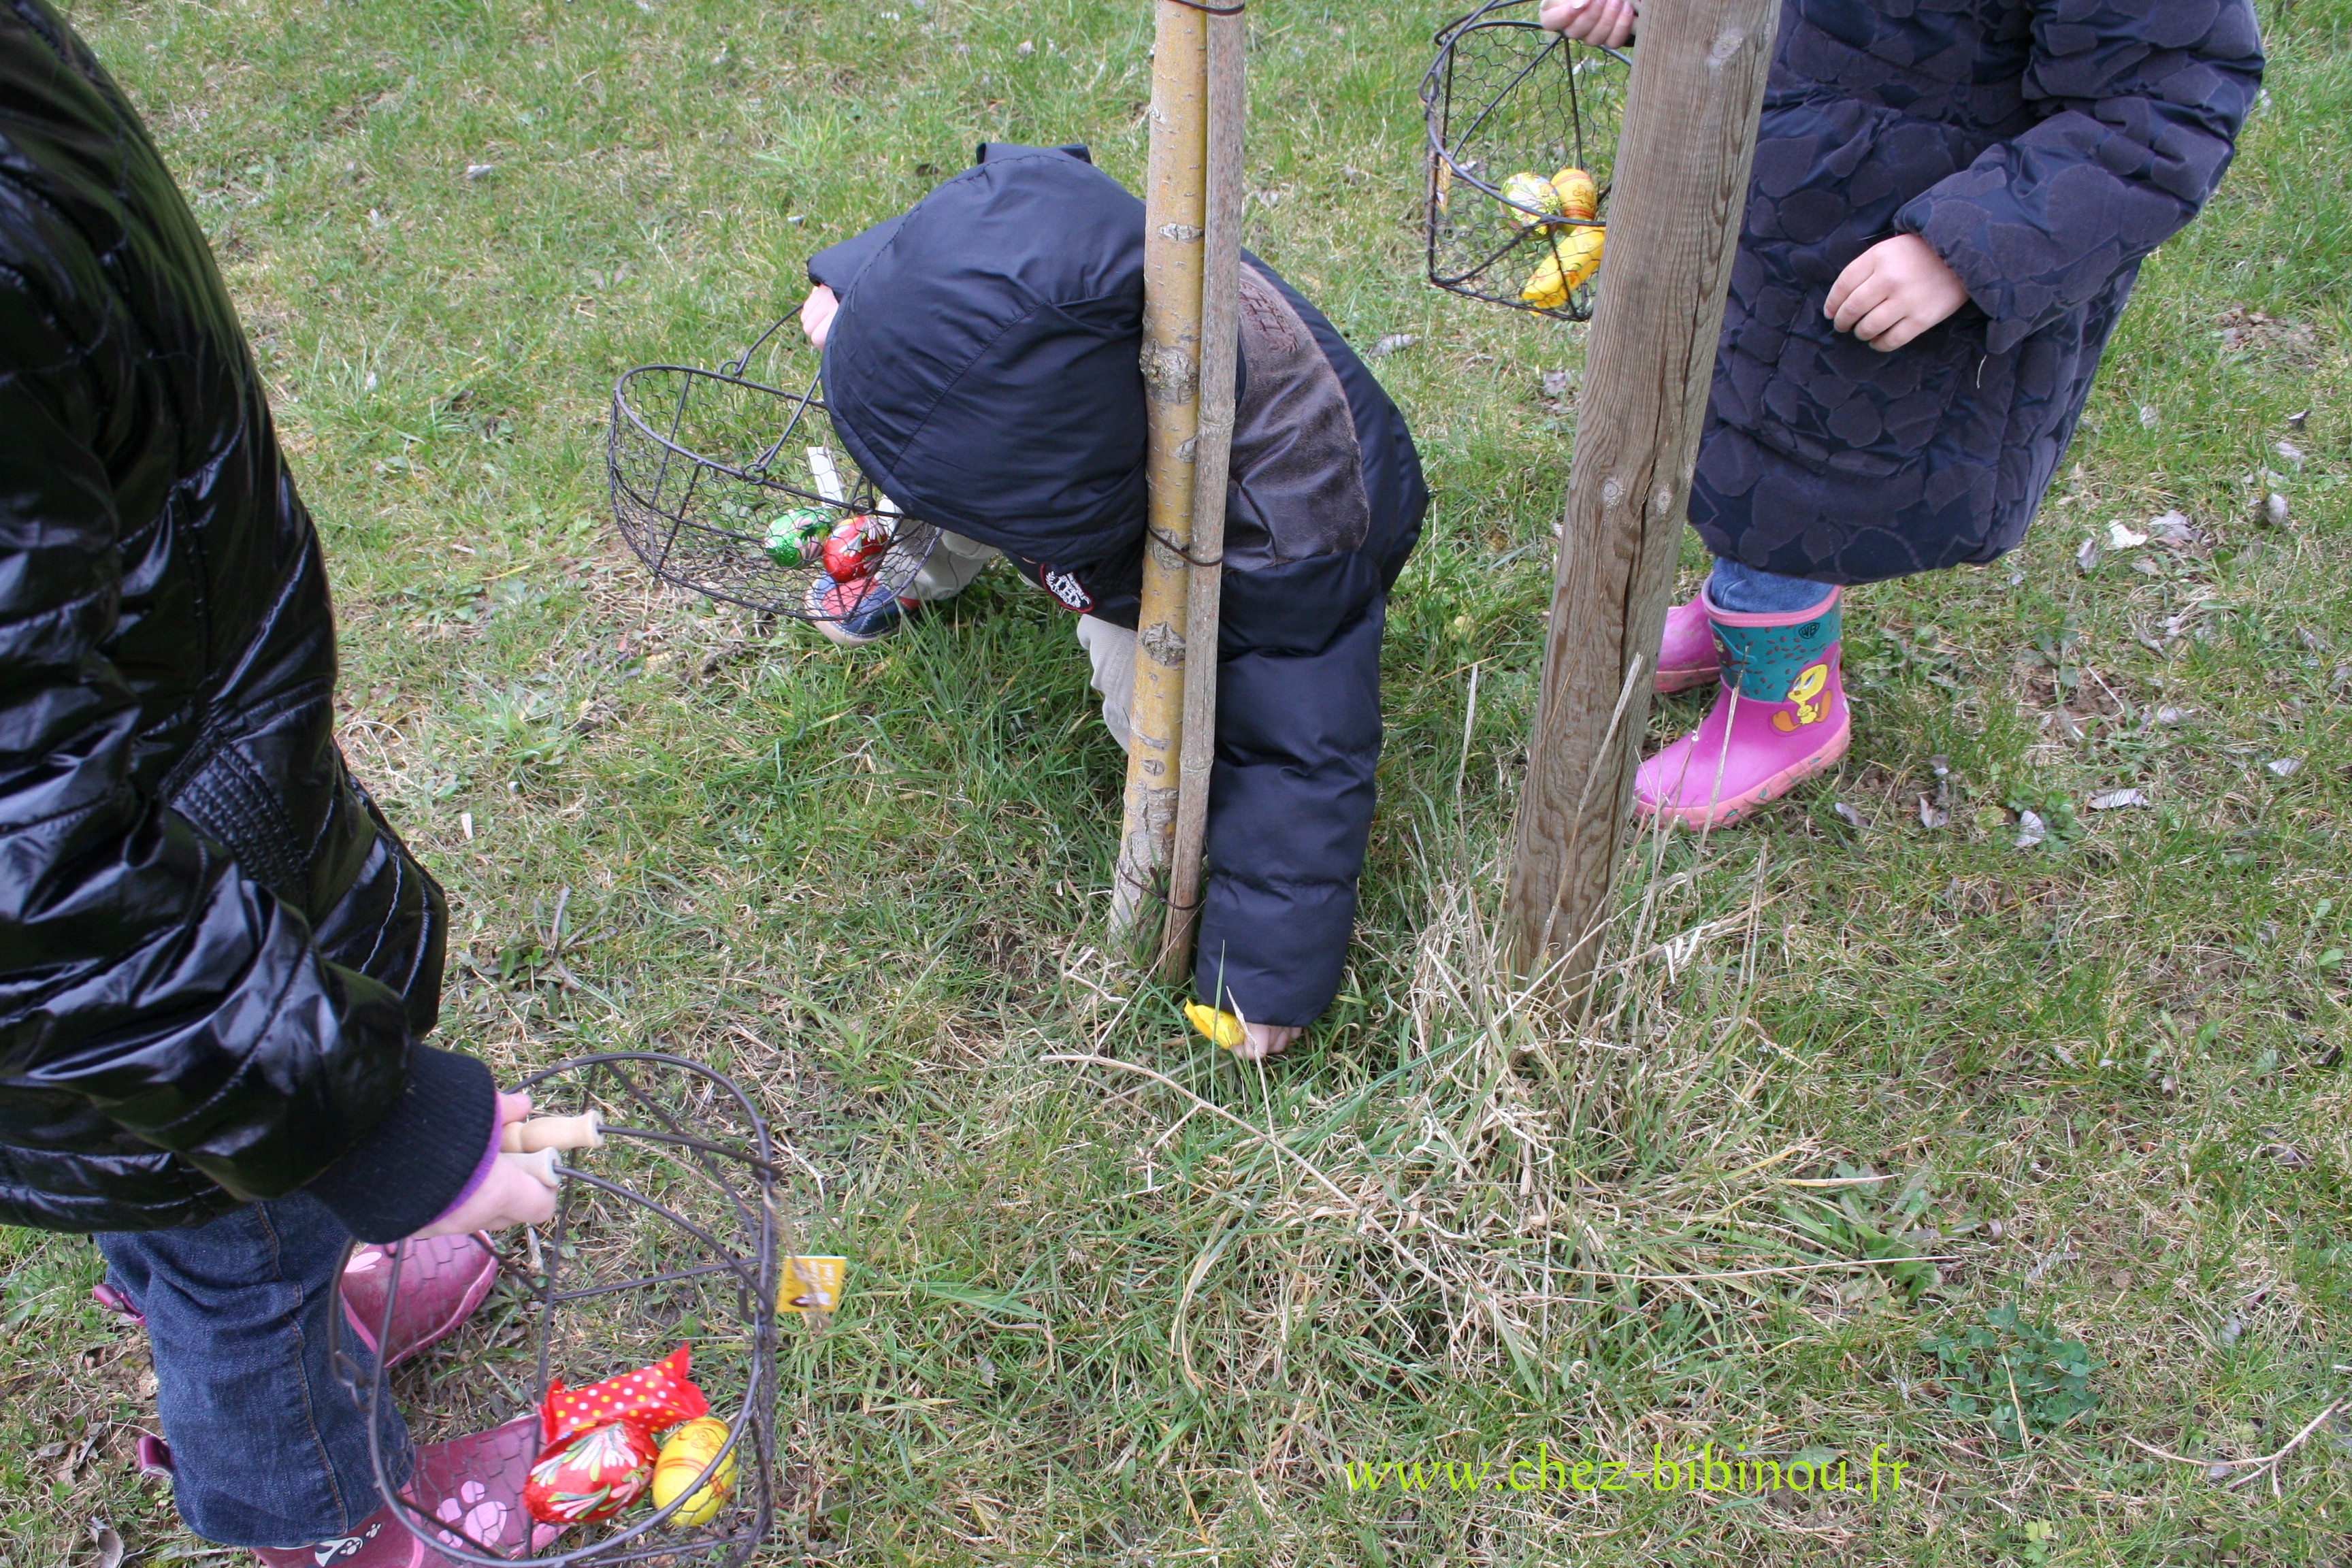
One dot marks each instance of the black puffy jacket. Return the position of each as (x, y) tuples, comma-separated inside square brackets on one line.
[(215, 955), (984, 370)]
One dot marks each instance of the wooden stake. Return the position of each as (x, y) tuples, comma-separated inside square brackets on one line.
[(1175, 216), (1679, 186), (1221, 305)]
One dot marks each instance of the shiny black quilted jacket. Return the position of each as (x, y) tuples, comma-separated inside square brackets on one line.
[(2043, 148), (213, 953)]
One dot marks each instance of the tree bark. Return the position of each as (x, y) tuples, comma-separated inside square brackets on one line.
[(1679, 187), (1174, 203), (1220, 322)]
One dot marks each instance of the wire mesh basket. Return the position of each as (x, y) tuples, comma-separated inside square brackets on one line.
[(1508, 106), (738, 490), (678, 1230)]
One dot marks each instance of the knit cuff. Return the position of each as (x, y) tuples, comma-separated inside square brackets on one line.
[(408, 1172)]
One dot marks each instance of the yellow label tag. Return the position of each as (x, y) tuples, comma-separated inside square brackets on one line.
[(811, 1284)]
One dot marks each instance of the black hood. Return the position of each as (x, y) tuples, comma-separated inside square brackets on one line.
[(985, 366)]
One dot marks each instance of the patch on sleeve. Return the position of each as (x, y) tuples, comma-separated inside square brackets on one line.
[(1066, 587)]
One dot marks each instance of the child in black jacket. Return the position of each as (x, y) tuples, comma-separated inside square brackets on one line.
[(981, 363)]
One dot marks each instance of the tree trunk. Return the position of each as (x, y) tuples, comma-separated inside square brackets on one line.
[(1174, 205), (1221, 306), (1679, 187)]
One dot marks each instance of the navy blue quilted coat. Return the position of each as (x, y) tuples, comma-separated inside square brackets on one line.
[(2043, 148)]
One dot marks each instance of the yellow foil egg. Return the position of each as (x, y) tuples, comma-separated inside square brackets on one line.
[(1221, 1028), (689, 1448), (1579, 197)]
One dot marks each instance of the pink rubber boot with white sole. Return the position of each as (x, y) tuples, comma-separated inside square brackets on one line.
[(1780, 720), (1686, 655)]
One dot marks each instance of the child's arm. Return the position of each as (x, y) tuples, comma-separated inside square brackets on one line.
[(1290, 800), (2142, 105), (150, 981)]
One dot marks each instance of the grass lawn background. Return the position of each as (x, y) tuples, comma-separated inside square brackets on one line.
[(2103, 1079)]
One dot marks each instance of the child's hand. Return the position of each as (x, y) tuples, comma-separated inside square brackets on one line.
[(1260, 1041), (1893, 292), (816, 314), (1608, 23), (508, 1195)]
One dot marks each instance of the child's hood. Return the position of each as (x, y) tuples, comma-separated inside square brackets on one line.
[(984, 367)]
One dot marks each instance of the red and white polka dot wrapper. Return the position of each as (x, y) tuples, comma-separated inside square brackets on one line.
[(599, 1448)]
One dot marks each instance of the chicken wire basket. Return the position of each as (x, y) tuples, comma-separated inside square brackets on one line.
[(1507, 105), (679, 1229), (738, 490)]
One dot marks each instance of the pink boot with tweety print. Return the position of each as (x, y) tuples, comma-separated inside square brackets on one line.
[(1780, 718)]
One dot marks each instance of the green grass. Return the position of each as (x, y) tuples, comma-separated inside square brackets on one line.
[(2103, 1078)]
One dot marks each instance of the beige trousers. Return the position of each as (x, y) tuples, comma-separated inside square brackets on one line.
[(955, 561)]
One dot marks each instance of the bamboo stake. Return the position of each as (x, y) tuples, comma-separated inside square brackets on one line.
[(1174, 212), (1221, 305), (1677, 192)]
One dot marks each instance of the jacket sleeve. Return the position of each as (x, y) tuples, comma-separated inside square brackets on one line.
[(2142, 105), (141, 972), (1291, 795), (836, 266)]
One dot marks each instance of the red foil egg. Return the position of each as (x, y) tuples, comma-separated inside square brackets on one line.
[(853, 549), (592, 1475)]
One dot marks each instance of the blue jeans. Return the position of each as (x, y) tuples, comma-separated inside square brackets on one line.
[(1744, 590), (267, 1449)]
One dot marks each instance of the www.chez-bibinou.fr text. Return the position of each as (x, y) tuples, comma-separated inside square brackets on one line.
[(1705, 1471)]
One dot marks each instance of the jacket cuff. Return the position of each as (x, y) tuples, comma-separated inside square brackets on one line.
[(409, 1170), (836, 266)]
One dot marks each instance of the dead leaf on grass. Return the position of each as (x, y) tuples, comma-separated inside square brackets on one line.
[(109, 1543), (2285, 767), (2030, 829), (2115, 799)]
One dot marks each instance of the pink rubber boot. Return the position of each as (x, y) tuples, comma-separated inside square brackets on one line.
[(1686, 652), (1781, 719), (471, 1486), (443, 1279)]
